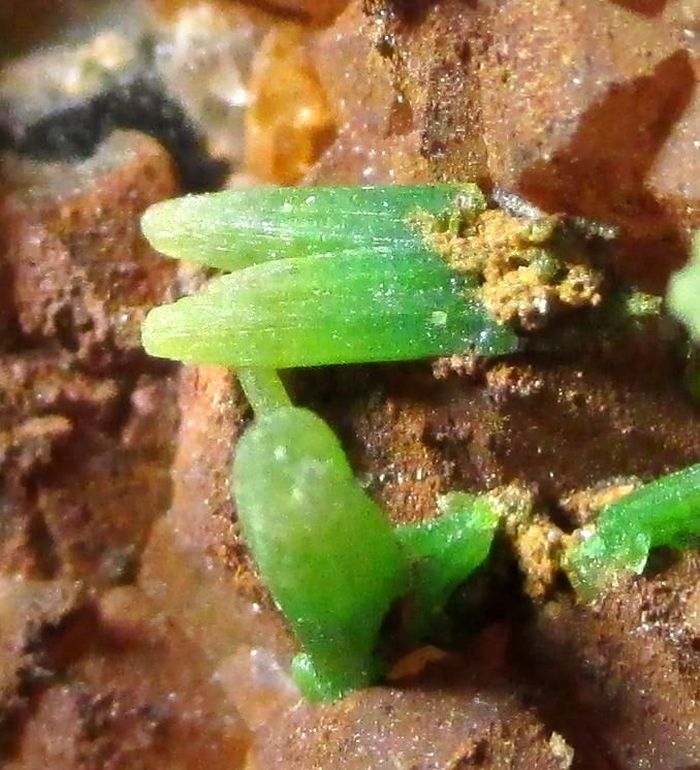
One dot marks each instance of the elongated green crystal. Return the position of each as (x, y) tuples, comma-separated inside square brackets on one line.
[(233, 229), (263, 389), (443, 552), (665, 512), (325, 550), (316, 310)]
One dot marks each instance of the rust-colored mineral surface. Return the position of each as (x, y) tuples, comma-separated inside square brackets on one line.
[(134, 631)]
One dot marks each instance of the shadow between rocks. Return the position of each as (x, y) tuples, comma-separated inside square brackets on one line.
[(643, 7)]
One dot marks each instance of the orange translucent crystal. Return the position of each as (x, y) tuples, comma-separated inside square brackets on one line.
[(290, 122)]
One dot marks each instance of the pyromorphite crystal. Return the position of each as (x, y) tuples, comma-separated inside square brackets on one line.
[(684, 292), (233, 229), (325, 550), (684, 298), (444, 551), (355, 307), (665, 512), (263, 389)]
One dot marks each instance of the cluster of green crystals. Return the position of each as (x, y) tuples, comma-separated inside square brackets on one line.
[(327, 552), (323, 276), (341, 275)]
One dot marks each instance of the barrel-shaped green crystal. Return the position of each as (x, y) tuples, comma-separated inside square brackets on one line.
[(236, 228), (325, 550), (665, 512), (356, 307)]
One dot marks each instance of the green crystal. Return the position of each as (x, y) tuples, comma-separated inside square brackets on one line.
[(665, 512), (329, 555), (325, 550), (356, 307), (443, 552), (264, 389), (236, 228), (684, 298), (684, 291)]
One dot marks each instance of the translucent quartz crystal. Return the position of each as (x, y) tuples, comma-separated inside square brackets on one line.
[(290, 121), (203, 56)]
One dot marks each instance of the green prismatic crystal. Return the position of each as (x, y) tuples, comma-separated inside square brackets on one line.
[(263, 389), (321, 310), (323, 276), (665, 512), (326, 551), (444, 551), (234, 229)]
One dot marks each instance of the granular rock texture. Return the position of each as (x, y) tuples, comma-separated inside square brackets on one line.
[(133, 629), (128, 701), (631, 660), (385, 728), (82, 222), (86, 428), (82, 409)]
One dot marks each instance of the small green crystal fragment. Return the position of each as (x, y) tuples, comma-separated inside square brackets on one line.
[(626, 310), (639, 304), (684, 292), (443, 552), (237, 228), (325, 550), (263, 389), (684, 298), (320, 310), (665, 512)]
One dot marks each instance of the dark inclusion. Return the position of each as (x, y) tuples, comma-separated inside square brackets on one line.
[(141, 103)]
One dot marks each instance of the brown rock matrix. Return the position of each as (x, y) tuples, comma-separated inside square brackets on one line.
[(134, 632)]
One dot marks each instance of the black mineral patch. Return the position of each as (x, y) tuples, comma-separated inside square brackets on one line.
[(74, 131)]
